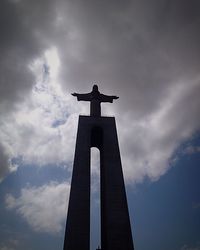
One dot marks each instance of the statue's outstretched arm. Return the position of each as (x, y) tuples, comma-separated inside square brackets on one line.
[(115, 97), (82, 97), (108, 98)]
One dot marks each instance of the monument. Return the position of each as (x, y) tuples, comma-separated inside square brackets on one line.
[(100, 132)]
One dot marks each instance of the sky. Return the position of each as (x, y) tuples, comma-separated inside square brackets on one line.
[(145, 52)]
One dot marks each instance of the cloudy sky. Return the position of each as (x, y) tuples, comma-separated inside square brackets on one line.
[(145, 52)]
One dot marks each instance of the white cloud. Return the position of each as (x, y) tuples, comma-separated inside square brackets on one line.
[(42, 128), (186, 247), (44, 207), (149, 142)]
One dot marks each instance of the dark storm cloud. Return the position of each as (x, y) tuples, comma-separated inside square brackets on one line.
[(147, 52), (4, 164), (24, 27), (140, 46), (138, 43)]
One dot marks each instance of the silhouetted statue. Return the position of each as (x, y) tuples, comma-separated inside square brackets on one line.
[(115, 227), (95, 98)]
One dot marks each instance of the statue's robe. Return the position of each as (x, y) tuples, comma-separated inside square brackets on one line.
[(95, 98)]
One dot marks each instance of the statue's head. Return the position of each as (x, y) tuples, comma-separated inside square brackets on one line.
[(95, 88)]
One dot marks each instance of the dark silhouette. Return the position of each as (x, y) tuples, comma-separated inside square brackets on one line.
[(95, 98), (99, 132)]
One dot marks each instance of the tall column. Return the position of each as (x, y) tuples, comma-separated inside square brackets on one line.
[(116, 234), (77, 234), (115, 224)]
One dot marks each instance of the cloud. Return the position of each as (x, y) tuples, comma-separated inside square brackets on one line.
[(44, 207), (186, 247), (3, 247), (11, 244), (196, 205), (140, 52), (19, 45), (155, 137), (127, 45), (146, 53), (21, 42), (5, 164), (191, 150), (41, 130)]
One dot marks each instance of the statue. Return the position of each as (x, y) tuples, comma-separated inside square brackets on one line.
[(95, 98)]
